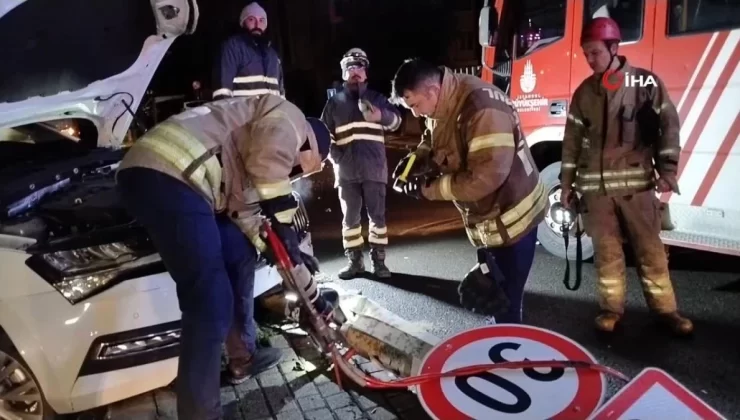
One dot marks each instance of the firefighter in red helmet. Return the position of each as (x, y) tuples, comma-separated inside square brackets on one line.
[(621, 144)]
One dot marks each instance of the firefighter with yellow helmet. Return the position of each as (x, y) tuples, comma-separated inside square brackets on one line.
[(201, 183), (358, 119), (617, 138)]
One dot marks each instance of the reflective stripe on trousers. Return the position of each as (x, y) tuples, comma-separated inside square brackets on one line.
[(638, 216), (352, 198), (378, 235), (352, 237)]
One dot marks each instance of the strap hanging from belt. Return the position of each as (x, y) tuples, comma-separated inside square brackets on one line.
[(579, 258)]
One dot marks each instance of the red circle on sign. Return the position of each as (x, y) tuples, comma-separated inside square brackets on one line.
[(591, 384)]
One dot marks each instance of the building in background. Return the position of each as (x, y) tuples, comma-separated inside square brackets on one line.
[(463, 51)]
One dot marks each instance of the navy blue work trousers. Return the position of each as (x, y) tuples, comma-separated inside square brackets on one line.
[(515, 262), (212, 263)]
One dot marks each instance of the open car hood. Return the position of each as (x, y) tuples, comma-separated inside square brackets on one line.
[(88, 59)]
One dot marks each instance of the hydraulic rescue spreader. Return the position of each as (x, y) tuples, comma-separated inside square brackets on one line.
[(327, 333)]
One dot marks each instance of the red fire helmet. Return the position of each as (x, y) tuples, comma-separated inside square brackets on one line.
[(601, 29)]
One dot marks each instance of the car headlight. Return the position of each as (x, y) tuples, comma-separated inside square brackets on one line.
[(84, 272)]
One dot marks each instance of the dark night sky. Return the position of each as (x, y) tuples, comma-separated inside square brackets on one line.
[(66, 45)]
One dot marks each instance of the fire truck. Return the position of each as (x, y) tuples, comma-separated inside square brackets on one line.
[(531, 50)]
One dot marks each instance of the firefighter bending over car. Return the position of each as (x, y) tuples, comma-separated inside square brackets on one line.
[(475, 155), (247, 64), (201, 183), (358, 118), (615, 141)]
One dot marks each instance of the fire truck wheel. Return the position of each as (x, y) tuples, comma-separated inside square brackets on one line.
[(548, 232)]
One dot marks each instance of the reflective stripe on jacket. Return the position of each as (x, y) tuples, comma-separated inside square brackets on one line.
[(184, 151), (247, 68), (238, 153), (619, 155), (358, 147), (475, 139)]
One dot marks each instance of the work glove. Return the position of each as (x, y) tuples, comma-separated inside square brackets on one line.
[(370, 112), (566, 194), (666, 184), (413, 187), (289, 239)]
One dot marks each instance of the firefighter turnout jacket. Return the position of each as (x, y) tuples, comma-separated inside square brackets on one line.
[(615, 140), (248, 66), (358, 147), (475, 139), (238, 153)]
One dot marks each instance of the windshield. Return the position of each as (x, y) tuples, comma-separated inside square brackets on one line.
[(539, 24), (43, 142)]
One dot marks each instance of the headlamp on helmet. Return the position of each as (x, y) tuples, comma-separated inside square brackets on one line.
[(354, 58)]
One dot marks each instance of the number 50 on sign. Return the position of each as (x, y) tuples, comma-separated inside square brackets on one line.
[(508, 393)]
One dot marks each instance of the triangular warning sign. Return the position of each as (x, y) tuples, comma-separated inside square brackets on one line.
[(654, 394)]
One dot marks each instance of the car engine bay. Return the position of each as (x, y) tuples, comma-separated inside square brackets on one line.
[(48, 201), (59, 204)]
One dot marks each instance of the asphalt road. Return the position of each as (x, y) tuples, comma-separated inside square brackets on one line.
[(429, 254)]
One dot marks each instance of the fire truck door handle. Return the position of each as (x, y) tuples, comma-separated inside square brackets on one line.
[(557, 108)]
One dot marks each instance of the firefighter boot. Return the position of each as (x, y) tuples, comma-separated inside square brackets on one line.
[(676, 323), (381, 271), (607, 321), (243, 368), (355, 266)]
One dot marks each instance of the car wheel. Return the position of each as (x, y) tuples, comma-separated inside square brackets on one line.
[(548, 232), (20, 394)]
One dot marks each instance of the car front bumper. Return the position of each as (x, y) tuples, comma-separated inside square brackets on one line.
[(114, 345)]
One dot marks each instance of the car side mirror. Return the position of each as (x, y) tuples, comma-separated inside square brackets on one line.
[(487, 26)]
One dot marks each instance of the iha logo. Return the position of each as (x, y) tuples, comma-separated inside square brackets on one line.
[(614, 79)]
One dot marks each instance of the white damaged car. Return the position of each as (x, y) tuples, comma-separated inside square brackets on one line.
[(88, 313)]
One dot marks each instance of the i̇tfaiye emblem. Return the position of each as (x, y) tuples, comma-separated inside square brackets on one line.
[(528, 79)]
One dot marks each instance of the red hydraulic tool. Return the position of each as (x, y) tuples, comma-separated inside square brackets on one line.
[(326, 333)]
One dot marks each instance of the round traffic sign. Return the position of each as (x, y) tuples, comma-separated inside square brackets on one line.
[(510, 393)]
